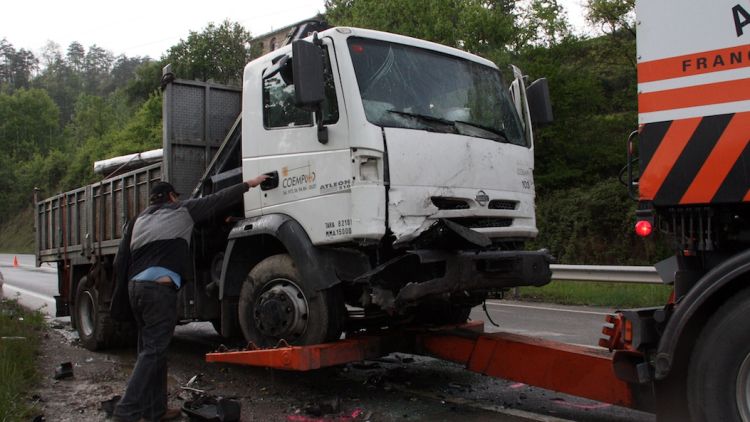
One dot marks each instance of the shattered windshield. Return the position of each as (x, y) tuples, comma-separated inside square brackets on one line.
[(414, 88)]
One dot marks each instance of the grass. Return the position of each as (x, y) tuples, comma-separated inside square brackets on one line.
[(20, 336), (613, 295)]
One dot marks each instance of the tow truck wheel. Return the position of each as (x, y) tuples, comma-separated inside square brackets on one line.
[(275, 304), (94, 327), (719, 374)]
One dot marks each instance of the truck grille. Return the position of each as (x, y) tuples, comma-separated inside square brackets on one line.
[(482, 222), (501, 204), (449, 203)]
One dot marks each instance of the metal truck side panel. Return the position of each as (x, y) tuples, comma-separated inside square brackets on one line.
[(694, 102), (197, 116)]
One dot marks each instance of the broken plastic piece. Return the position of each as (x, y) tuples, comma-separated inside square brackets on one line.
[(209, 408), (65, 370), (108, 406)]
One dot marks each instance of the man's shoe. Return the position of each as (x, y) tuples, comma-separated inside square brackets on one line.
[(171, 414)]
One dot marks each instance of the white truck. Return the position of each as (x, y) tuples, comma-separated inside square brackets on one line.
[(401, 191)]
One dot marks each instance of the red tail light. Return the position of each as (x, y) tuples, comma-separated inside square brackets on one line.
[(643, 228)]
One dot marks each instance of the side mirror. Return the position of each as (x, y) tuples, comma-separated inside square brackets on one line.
[(307, 68), (540, 106)]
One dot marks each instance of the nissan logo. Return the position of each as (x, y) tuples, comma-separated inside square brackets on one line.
[(482, 198)]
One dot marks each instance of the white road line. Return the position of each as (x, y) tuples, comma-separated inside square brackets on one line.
[(544, 308), (29, 293)]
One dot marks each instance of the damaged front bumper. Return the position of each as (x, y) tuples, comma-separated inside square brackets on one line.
[(439, 272)]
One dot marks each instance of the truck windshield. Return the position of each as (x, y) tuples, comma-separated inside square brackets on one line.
[(413, 88)]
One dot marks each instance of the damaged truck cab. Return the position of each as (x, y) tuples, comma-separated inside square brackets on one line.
[(401, 191), (409, 178)]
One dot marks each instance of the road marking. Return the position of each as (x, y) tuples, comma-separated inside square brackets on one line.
[(545, 308), (30, 293), (460, 401)]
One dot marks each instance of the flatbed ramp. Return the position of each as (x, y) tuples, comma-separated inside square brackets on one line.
[(572, 369)]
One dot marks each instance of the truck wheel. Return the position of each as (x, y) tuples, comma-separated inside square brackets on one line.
[(94, 326), (275, 304), (719, 375)]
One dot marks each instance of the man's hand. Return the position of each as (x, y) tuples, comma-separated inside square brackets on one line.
[(256, 180)]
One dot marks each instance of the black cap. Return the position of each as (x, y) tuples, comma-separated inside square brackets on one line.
[(160, 192)]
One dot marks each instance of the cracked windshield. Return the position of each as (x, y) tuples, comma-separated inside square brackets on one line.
[(413, 88)]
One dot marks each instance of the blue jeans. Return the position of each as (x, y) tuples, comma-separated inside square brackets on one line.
[(155, 309)]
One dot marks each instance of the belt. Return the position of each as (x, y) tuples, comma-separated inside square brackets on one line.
[(165, 281)]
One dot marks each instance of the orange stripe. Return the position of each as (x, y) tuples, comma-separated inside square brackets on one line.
[(693, 96), (665, 156), (694, 64), (747, 196), (721, 160)]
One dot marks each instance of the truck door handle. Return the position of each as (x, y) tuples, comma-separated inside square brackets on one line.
[(272, 182)]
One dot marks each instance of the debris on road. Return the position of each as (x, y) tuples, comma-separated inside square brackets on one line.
[(211, 408), (108, 406), (65, 370)]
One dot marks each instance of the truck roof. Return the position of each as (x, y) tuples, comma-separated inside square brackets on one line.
[(346, 32)]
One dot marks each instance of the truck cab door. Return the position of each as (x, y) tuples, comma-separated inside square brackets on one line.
[(313, 178)]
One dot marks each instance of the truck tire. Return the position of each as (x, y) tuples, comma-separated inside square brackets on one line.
[(275, 304), (719, 375), (94, 325)]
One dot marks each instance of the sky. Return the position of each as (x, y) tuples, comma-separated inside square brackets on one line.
[(150, 27)]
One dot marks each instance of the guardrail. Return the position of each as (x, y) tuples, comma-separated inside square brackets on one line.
[(605, 273)]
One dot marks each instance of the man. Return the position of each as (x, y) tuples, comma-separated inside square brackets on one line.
[(159, 259)]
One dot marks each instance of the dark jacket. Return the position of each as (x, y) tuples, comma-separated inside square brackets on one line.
[(162, 232), (160, 237)]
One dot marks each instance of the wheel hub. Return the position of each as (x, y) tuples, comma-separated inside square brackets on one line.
[(281, 311)]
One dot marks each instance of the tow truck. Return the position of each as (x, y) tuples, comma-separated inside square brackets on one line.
[(688, 169)]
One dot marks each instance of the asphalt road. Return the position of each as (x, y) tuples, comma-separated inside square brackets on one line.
[(34, 287)]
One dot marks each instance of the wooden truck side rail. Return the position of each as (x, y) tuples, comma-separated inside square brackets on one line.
[(88, 221)]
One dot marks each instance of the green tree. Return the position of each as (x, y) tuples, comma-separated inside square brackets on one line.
[(218, 52), (543, 22), (477, 26), (96, 67), (28, 123), (92, 118), (145, 81), (141, 132), (76, 56), (612, 15), (16, 67)]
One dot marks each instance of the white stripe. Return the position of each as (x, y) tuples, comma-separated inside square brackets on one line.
[(695, 80), (689, 112), (544, 308), (29, 293)]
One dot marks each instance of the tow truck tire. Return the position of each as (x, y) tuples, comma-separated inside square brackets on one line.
[(94, 325), (719, 375), (275, 304)]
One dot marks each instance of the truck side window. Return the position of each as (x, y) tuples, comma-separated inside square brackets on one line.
[(279, 110)]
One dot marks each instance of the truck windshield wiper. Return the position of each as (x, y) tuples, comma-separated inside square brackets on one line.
[(495, 131), (424, 118)]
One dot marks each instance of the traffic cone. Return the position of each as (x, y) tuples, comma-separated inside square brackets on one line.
[(15, 261)]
